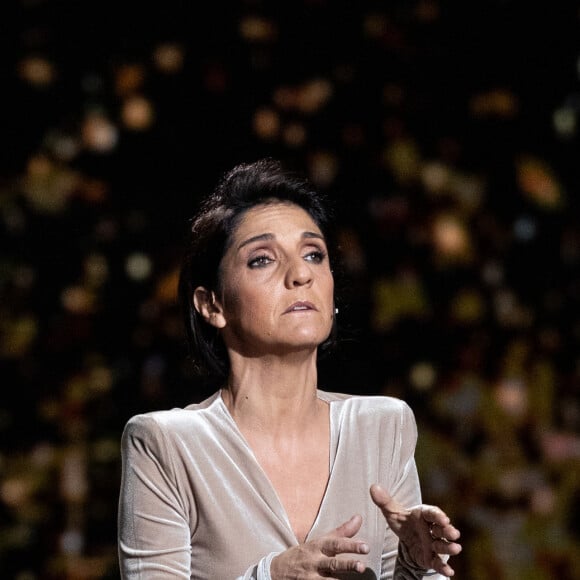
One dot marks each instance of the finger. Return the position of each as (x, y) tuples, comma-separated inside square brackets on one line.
[(339, 542), (446, 547), (334, 566), (441, 566), (385, 502), (448, 533), (334, 546), (434, 515), (349, 528)]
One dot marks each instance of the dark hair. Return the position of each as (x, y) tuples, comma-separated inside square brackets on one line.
[(245, 186)]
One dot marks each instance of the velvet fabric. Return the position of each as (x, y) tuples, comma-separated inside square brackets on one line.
[(195, 503)]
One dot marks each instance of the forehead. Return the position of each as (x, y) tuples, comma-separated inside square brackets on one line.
[(277, 218)]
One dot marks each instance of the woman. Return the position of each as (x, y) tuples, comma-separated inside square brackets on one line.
[(271, 478)]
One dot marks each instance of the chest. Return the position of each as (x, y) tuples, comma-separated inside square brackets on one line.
[(254, 501), (300, 480), (259, 503)]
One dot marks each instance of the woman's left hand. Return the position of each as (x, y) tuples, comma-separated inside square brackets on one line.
[(425, 530)]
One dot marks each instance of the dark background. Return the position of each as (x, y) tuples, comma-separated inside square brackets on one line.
[(446, 136)]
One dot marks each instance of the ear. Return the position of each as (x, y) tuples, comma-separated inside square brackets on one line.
[(206, 303)]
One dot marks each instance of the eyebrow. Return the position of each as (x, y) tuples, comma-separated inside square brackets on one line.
[(269, 236)]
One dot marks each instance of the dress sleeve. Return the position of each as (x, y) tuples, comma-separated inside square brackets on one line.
[(156, 519), (153, 522), (261, 571), (407, 492)]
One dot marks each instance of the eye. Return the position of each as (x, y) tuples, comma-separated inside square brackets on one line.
[(316, 256), (260, 261)]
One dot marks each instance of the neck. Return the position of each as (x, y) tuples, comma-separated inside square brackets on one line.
[(272, 393)]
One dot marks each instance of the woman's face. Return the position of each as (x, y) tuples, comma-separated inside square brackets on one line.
[(276, 285)]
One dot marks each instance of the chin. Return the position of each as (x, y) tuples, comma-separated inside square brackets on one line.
[(306, 342)]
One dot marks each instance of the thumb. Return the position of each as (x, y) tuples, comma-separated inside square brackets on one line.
[(385, 502), (349, 528)]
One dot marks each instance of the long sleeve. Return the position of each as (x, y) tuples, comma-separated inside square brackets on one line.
[(154, 524), (407, 491), (157, 516), (261, 571)]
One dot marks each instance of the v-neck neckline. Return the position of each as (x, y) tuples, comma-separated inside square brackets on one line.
[(333, 448)]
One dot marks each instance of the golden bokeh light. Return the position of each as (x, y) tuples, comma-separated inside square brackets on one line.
[(38, 71), (137, 113)]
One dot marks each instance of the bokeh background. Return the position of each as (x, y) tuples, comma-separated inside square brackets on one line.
[(445, 133)]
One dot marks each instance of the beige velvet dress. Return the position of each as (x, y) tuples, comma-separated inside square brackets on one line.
[(195, 503)]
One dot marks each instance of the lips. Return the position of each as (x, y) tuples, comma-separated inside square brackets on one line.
[(301, 306)]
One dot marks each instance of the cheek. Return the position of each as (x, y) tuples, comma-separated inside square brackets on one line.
[(244, 304), (230, 298), (330, 288)]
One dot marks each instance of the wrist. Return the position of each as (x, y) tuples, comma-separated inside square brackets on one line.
[(405, 558)]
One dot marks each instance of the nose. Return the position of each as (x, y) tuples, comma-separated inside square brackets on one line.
[(298, 274)]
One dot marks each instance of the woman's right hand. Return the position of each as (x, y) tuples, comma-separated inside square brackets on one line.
[(318, 558)]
